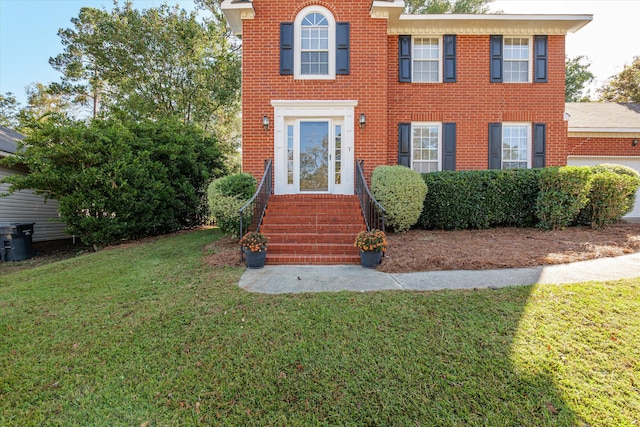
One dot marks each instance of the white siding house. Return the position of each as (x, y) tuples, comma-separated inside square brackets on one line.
[(25, 205)]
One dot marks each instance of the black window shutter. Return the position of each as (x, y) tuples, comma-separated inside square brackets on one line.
[(449, 146), (496, 59), (342, 48), (541, 59), (404, 144), (449, 42), (495, 145), (404, 58), (286, 48), (539, 145)]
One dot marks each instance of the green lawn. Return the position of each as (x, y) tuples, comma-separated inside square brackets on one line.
[(150, 336)]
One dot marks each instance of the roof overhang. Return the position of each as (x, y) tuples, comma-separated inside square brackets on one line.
[(484, 24), (235, 11)]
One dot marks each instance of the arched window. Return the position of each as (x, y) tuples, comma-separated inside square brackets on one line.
[(315, 44)]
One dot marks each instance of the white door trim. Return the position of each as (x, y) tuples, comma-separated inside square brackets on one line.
[(303, 109)]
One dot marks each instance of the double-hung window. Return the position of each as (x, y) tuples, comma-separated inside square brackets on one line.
[(516, 145), (426, 59), (516, 60), (426, 146), (314, 45)]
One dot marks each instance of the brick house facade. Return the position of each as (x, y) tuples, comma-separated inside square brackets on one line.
[(434, 91)]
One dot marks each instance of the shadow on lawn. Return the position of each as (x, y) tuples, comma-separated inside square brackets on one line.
[(444, 358)]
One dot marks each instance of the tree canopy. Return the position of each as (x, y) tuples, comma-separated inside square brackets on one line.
[(578, 77), (156, 63), (447, 6), (624, 86)]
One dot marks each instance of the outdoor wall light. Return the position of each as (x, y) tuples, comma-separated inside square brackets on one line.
[(265, 122), (362, 121), (634, 143)]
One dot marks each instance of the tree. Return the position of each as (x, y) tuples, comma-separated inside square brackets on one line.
[(119, 180), (9, 107), (624, 86), (578, 77), (151, 64), (447, 6)]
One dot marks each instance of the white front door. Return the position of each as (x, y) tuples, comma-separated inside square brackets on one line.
[(313, 149)]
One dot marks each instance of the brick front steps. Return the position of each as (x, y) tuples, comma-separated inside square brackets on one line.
[(312, 229)]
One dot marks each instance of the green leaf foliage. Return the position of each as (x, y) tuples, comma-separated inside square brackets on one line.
[(563, 193), (120, 180), (578, 77), (612, 195), (226, 196), (480, 199), (401, 191)]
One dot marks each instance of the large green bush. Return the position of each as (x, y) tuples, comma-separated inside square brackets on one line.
[(120, 179), (611, 196), (480, 199), (621, 170), (226, 197), (563, 193), (401, 191)]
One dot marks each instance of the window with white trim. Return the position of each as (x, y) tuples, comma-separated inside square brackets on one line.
[(315, 44), (426, 59), (516, 145), (516, 59), (426, 147)]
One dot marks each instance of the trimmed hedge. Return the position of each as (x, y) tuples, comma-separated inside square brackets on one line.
[(401, 191), (612, 195), (554, 197), (226, 197), (563, 193), (480, 199)]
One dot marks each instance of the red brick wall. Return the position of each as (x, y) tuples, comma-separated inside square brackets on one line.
[(473, 102), (592, 146), (262, 81)]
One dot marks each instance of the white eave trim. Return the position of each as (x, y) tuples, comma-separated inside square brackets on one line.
[(604, 130), (236, 12), (488, 24), (312, 103), (390, 10)]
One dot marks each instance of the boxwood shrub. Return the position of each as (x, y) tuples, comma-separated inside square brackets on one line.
[(480, 199), (226, 197), (612, 195), (563, 193), (401, 191)]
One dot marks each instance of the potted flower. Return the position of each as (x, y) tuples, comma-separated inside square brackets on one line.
[(254, 246), (372, 244)]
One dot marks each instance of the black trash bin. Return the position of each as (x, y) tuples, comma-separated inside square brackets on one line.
[(16, 241)]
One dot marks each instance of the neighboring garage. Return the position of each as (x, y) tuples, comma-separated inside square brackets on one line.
[(605, 132), (25, 206)]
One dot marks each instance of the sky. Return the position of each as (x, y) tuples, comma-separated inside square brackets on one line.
[(28, 34)]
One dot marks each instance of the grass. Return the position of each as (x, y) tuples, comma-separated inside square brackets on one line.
[(149, 335)]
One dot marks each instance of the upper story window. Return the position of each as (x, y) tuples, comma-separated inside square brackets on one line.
[(314, 45), (516, 60), (519, 59), (427, 59)]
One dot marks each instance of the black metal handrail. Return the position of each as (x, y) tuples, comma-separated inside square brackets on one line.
[(371, 209), (259, 201)]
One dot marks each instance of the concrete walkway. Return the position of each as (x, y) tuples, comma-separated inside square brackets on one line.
[(302, 278)]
